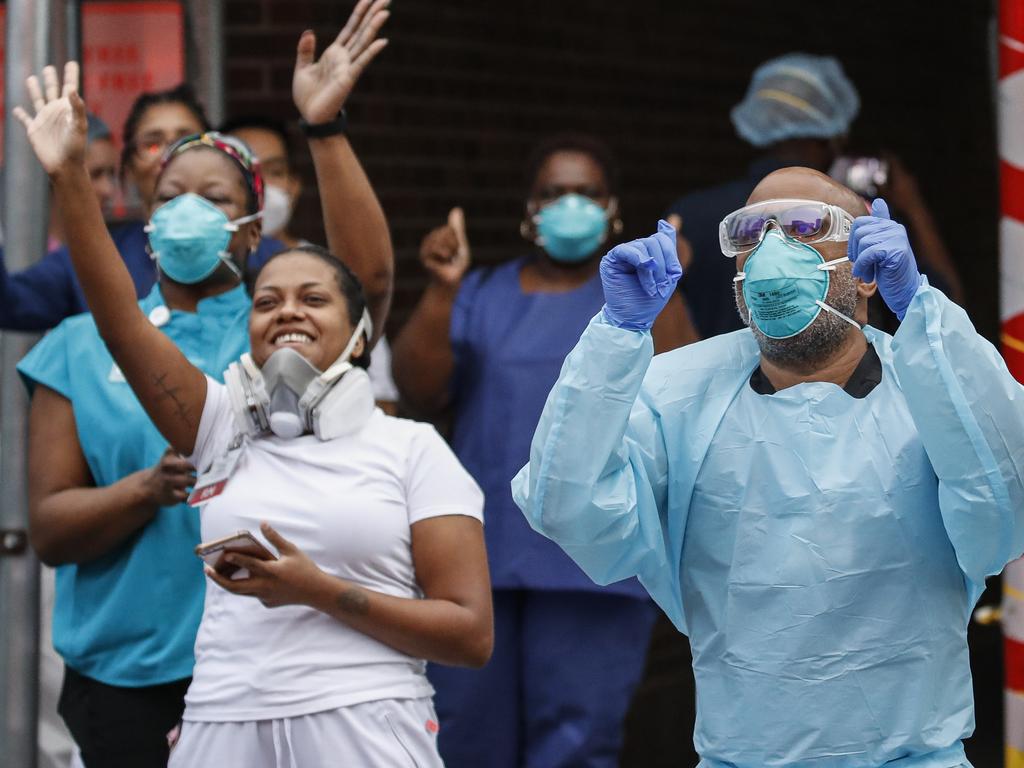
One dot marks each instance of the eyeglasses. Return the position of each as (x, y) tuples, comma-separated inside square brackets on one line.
[(809, 221)]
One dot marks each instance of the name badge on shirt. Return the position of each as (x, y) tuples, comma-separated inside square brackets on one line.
[(212, 482)]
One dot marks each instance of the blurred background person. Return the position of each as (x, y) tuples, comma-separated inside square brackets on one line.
[(489, 343), (39, 297), (797, 111), (269, 140)]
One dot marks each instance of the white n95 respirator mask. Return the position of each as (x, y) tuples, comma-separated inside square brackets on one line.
[(289, 396)]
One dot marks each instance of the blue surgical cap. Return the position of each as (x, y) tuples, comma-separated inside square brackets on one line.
[(796, 96), (97, 129)]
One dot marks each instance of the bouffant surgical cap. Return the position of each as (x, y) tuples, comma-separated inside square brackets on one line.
[(796, 96)]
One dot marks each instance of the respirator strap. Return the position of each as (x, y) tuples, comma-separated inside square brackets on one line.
[(839, 314)]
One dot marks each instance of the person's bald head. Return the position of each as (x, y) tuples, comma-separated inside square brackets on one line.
[(807, 184)]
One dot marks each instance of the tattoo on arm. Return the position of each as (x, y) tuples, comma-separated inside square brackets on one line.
[(355, 601), (160, 381)]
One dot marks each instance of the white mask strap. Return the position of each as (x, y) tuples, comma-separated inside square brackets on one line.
[(232, 226), (837, 313), (225, 257), (831, 265), (740, 277)]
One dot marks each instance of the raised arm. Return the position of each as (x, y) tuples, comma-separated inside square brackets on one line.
[(357, 231), (422, 356), (968, 409), (170, 388)]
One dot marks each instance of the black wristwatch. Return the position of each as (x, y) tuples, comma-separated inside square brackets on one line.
[(334, 127)]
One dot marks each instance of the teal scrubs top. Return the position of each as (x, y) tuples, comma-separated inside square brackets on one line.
[(129, 618)]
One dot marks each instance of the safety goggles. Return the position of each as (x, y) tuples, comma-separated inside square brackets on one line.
[(808, 221)]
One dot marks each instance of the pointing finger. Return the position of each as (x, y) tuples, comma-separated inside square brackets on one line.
[(880, 208), (457, 221)]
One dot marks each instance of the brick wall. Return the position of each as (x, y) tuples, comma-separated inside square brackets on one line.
[(447, 113)]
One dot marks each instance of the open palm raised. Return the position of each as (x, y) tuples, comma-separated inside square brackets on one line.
[(58, 130), (320, 88)]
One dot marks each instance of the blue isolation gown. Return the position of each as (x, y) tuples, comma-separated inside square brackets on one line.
[(822, 552)]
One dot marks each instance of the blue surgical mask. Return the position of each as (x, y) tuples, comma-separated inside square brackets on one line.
[(785, 283), (188, 237), (571, 228)]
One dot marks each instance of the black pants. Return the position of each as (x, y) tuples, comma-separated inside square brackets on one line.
[(120, 727)]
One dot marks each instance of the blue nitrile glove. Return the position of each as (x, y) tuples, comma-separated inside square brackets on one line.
[(639, 277), (880, 252)]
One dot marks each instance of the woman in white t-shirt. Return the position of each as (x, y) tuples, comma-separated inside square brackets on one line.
[(318, 655)]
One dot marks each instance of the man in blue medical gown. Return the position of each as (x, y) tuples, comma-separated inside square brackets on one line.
[(814, 503)]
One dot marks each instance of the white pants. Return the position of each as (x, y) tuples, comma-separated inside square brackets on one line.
[(392, 733)]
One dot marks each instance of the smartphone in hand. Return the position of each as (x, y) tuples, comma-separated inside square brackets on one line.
[(212, 553)]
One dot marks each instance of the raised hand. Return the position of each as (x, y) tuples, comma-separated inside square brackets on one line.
[(58, 130), (320, 88), (639, 277), (879, 250), (444, 252)]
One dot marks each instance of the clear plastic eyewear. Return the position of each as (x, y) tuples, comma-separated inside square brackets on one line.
[(809, 221)]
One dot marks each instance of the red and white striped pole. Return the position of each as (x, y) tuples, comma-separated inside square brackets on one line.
[(1011, 245)]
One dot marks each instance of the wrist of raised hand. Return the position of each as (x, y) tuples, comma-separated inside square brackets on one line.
[(611, 317), (69, 172)]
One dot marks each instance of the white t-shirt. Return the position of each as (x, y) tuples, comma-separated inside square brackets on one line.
[(349, 504), (381, 380)]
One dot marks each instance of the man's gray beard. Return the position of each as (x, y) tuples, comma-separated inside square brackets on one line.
[(810, 349)]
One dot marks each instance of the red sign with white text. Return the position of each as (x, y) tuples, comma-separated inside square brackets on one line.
[(128, 48)]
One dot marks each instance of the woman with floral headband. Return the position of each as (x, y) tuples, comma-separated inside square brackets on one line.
[(106, 495)]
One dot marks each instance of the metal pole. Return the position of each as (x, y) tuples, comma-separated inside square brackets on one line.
[(205, 48), (1011, 285), (24, 220), (215, 54)]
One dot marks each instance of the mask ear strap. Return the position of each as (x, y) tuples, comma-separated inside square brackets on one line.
[(837, 313), (830, 265), (226, 259), (232, 226)]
